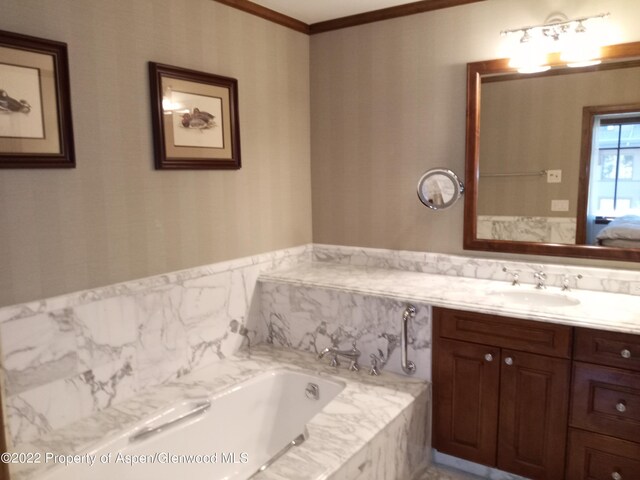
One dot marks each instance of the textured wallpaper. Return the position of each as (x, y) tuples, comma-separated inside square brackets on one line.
[(114, 217)]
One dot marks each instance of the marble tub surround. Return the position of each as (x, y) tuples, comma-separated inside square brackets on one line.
[(71, 356), (311, 318), (348, 439), (601, 310), (596, 279)]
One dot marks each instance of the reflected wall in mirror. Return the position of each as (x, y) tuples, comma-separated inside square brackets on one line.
[(543, 173)]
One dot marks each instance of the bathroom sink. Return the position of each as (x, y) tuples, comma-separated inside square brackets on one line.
[(535, 297)]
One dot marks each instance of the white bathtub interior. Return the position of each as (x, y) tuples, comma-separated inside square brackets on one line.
[(241, 430)]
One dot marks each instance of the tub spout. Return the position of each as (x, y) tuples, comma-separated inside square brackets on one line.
[(353, 355)]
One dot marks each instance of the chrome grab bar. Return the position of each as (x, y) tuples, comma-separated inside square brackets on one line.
[(199, 409), (299, 440), (408, 367)]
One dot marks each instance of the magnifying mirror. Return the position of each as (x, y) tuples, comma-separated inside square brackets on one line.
[(439, 188)]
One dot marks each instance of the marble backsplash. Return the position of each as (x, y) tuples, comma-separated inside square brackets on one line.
[(597, 279), (68, 357), (527, 229), (312, 318)]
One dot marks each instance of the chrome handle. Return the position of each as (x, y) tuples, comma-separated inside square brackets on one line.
[(621, 406), (508, 361), (407, 367), (488, 357), (616, 476), (199, 409), (624, 353)]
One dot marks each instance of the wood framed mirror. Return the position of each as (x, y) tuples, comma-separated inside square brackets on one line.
[(530, 153)]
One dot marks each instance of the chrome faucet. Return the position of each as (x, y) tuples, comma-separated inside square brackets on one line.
[(377, 363), (515, 276), (540, 277), (566, 280), (353, 355)]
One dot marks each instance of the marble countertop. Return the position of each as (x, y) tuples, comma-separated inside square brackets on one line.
[(599, 310), (362, 410)]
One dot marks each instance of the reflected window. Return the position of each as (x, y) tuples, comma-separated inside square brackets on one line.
[(614, 187)]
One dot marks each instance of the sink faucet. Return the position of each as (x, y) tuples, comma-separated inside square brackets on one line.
[(566, 279), (353, 355), (540, 278)]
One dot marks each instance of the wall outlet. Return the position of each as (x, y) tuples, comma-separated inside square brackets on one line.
[(635, 288), (554, 176), (559, 205)]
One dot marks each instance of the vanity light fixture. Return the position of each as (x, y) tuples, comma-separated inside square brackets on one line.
[(578, 42)]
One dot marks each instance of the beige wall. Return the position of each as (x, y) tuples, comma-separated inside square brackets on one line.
[(388, 103), (114, 217), (533, 124)]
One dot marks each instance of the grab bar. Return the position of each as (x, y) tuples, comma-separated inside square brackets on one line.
[(199, 409), (299, 440), (408, 367)]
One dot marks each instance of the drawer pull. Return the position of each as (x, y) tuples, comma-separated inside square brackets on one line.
[(625, 353), (488, 357), (616, 476), (621, 406), (508, 361)]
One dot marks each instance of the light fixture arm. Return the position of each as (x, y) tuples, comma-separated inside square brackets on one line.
[(554, 24)]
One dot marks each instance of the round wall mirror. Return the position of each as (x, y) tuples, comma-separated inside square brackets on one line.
[(439, 188)]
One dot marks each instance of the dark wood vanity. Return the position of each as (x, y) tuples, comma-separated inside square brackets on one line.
[(538, 399)]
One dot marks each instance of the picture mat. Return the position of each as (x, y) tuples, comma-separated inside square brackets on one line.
[(196, 88), (50, 144)]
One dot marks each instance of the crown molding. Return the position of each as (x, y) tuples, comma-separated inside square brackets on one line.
[(343, 22), (267, 14)]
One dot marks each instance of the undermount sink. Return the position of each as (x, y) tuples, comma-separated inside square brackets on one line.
[(535, 298)]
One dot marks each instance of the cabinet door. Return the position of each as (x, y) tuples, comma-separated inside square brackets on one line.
[(533, 414), (465, 407)]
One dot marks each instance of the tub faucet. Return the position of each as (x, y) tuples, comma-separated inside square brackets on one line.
[(353, 355)]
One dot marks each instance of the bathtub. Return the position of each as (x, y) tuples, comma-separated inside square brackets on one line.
[(229, 435)]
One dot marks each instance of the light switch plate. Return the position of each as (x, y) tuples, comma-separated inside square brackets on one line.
[(559, 205), (554, 176)]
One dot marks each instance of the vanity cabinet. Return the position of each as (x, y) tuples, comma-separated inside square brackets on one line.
[(604, 434), (501, 391)]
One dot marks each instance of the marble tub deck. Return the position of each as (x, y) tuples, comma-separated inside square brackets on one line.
[(350, 432)]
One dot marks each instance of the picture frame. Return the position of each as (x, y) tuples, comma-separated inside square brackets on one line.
[(195, 119), (36, 129)]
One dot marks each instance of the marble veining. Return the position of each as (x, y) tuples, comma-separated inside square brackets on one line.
[(71, 356), (350, 435), (310, 318), (596, 279), (616, 312), (527, 229)]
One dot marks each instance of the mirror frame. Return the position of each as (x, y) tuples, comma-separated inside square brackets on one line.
[(475, 71)]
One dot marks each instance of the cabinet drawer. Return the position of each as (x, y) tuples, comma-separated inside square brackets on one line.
[(523, 335), (593, 456), (608, 348), (606, 400)]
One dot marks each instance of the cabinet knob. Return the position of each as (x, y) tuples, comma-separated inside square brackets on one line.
[(488, 357), (616, 476), (508, 361), (625, 353), (621, 406)]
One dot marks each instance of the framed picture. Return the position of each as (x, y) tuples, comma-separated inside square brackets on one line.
[(35, 105), (195, 119)]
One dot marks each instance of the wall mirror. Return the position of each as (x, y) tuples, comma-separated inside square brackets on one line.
[(439, 188), (553, 158)]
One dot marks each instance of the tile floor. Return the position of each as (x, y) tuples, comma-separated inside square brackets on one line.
[(440, 472)]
